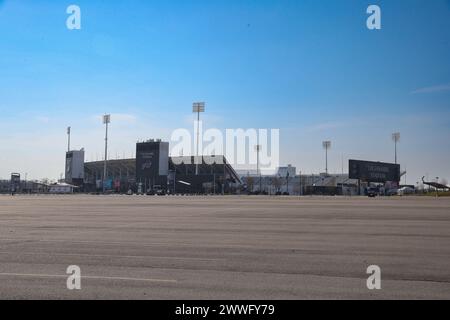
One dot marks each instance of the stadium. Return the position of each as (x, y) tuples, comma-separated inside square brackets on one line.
[(153, 171)]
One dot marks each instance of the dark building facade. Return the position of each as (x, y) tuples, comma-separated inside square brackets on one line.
[(152, 164), (214, 176)]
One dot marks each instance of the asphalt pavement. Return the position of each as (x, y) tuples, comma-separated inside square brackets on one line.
[(141, 247)]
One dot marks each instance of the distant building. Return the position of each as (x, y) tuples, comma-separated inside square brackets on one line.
[(23, 187), (62, 188), (285, 180), (285, 171)]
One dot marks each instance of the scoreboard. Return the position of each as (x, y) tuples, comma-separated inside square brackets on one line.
[(374, 171)]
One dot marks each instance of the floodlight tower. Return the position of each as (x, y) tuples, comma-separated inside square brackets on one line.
[(68, 139), (326, 145), (396, 139), (106, 122), (198, 107)]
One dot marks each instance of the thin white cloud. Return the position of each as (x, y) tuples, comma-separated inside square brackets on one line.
[(326, 126), (433, 89), (43, 119)]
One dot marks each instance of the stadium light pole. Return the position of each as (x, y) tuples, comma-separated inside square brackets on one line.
[(396, 139), (198, 107), (68, 139), (326, 145), (106, 122)]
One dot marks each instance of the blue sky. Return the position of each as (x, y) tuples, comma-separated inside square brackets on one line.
[(310, 68)]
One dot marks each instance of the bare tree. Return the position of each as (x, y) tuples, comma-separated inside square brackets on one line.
[(250, 183), (277, 183)]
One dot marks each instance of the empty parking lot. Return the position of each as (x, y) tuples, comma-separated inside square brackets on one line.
[(138, 247)]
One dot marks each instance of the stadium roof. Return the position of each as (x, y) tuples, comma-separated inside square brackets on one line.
[(207, 161)]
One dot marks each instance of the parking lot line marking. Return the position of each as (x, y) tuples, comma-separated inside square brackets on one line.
[(155, 244), (109, 256), (36, 275)]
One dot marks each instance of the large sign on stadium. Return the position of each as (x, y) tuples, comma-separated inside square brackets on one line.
[(152, 163), (374, 171)]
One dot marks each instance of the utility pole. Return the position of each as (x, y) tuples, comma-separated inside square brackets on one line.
[(301, 187), (198, 107), (287, 182), (258, 148), (175, 179), (437, 190), (342, 175), (106, 122)]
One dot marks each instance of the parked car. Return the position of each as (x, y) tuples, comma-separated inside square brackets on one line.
[(405, 190), (392, 192), (372, 192), (159, 191)]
